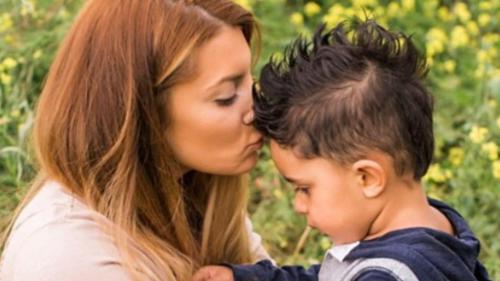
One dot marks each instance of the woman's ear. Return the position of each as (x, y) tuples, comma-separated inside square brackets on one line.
[(370, 176)]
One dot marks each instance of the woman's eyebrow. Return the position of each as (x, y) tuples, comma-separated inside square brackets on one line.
[(236, 78)]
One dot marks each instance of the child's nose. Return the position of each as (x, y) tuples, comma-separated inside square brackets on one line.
[(300, 206), (249, 117)]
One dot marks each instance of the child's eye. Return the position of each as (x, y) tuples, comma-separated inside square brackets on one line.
[(302, 189), (226, 102)]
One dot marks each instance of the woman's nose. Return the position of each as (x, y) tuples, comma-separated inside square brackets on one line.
[(249, 114)]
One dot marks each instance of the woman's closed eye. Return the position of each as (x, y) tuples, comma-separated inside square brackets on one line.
[(226, 101)]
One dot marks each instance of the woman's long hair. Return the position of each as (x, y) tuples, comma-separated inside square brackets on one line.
[(100, 131)]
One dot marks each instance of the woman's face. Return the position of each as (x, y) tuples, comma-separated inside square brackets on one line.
[(210, 116)]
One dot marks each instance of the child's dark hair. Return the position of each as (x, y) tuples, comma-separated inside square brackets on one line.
[(350, 90)]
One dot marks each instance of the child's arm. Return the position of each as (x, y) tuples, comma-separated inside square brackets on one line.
[(261, 271)]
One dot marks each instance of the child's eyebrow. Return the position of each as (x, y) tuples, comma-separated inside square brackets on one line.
[(290, 180)]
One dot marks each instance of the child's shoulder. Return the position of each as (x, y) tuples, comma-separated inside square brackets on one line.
[(429, 253)]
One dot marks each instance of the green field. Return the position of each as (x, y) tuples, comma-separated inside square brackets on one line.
[(460, 39)]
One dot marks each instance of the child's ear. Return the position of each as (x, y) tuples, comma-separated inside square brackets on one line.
[(370, 177)]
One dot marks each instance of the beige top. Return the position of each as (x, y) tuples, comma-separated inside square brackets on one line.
[(56, 237)]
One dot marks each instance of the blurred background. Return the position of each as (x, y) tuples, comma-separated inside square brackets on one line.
[(461, 40)]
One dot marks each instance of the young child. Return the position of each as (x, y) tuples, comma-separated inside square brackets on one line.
[(350, 123)]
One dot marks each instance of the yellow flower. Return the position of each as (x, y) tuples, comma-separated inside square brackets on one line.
[(482, 56), (393, 9), (449, 66), (430, 61), (325, 243), (311, 9), (430, 7), (37, 54), (408, 5), (456, 156), (462, 11), (459, 37), (364, 3), (478, 134), (484, 19), (492, 103), (436, 174), (5, 79), (491, 149), (336, 9), (496, 169), (485, 5), (350, 12), (448, 174), (335, 15), (9, 63), (379, 12), (491, 39), (492, 53), (24, 11), (9, 39), (297, 19), (362, 13), (15, 113), (278, 193), (63, 13), (444, 14), (331, 20), (437, 33), (434, 48), (6, 22), (28, 7), (472, 28), (480, 71), (436, 38)]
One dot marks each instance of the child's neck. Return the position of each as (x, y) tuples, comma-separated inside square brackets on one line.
[(405, 205)]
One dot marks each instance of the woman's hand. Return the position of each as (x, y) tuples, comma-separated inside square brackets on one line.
[(213, 273)]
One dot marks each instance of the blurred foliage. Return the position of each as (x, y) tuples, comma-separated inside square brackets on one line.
[(29, 35), (460, 38)]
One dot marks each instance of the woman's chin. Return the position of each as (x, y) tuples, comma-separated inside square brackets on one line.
[(244, 167), (228, 169)]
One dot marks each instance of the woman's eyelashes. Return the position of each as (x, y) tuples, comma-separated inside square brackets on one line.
[(226, 101)]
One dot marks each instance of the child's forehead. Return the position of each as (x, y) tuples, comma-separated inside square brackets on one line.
[(278, 150), (282, 154)]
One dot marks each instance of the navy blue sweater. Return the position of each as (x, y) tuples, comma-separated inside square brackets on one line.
[(432, 255)]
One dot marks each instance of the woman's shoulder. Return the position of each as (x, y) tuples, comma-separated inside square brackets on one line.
[(53, 212), (59, 237)]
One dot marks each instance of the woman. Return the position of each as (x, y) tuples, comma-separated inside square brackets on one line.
[(143, 131)]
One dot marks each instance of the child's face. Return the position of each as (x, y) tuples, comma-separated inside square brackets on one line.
[(326, 193)]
